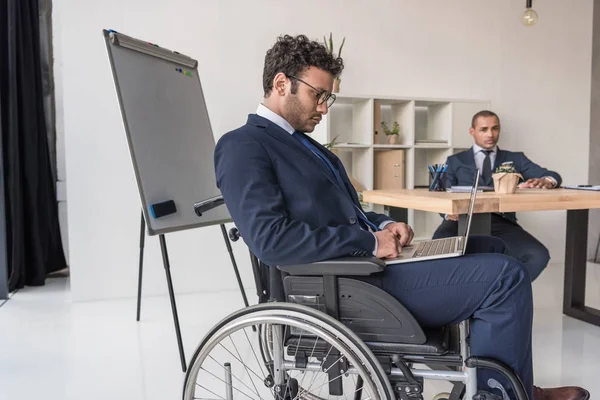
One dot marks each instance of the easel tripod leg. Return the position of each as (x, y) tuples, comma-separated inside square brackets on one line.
[(142, 240), (235, 267), (165, 255)]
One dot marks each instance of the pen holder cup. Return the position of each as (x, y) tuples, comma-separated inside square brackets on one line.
[(437, 182)]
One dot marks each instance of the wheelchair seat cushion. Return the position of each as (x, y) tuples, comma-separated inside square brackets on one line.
[(437, 344)]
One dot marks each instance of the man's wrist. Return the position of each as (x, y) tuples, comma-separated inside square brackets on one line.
[(381, 226), (551, 180), (376, 245), (385, 223)]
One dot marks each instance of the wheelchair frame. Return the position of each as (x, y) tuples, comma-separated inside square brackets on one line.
[(388, 324)]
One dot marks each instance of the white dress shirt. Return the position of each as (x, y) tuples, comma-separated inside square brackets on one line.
[(478, 153), (277, 119)]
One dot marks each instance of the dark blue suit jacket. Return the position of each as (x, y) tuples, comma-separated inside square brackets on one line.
[(461, 170), (284, 200)]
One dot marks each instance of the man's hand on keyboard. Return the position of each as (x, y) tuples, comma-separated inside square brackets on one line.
[(387, 244), (403, 232)]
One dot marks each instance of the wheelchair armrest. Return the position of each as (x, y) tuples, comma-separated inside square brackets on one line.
[(347, 266)]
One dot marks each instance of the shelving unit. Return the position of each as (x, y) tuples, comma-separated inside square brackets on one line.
[(430, 131)]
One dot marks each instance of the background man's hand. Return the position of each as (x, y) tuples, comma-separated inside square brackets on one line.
[(538, 183), (387, 244), (452, 217), (403, 232)]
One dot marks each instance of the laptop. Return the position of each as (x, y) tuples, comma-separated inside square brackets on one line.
[(439, 248)]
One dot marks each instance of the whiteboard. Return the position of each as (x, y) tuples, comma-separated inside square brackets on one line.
[(168, 130)]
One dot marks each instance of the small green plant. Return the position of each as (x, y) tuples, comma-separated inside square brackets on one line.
[(394, 131), (329, 45), (330, 145), (506, 167)]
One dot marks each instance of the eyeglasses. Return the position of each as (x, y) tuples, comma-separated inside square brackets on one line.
[(321, 95)]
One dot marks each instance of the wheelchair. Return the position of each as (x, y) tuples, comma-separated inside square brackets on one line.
[(320, 332)]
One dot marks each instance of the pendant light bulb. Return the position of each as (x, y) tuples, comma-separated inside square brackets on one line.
[(530, 17)]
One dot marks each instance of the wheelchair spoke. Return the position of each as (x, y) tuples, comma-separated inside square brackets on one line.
[(321, 367), (205, 398), (326, 383), (311, 355), (225, 382), (287, 386), (208, 390), (254, 352), (353, 393), (322, 386), (243, 363), (239, 359)]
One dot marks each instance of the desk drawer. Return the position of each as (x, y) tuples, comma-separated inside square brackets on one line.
[(389, 170)]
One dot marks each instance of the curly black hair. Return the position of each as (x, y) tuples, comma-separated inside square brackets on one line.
[(292, 55)]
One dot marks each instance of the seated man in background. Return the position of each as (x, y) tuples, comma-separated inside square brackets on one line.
[(293, 203), (485, 155)]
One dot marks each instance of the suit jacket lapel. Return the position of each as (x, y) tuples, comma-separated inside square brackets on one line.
[(468, 158), (285, 137), (500, 158), (337, 163)]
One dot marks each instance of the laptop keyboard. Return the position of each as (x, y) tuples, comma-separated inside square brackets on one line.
[(436, 247)]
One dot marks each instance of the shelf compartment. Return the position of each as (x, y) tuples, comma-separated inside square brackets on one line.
[(433, 123), (358, 163), (390, 111), (349, 121), (423, 158)]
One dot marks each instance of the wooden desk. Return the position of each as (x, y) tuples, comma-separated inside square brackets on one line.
[(576, 202)]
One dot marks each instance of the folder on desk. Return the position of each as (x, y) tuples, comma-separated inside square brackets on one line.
[(467, 189), (583, 187)]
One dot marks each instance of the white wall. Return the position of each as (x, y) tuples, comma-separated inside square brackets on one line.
[(538, 80)]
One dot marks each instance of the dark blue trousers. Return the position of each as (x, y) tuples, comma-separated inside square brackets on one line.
[(521, 244), (486, 285)]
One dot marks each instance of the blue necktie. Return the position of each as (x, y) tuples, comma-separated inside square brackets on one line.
[(360, 214)]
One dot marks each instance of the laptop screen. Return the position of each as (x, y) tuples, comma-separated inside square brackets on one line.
[(471, 209)]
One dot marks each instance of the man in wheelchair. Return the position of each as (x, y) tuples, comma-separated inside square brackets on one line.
[(295, 207)]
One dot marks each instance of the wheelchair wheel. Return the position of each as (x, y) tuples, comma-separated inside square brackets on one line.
[(298, 353)]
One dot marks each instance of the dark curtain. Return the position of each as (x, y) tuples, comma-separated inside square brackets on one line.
[(33, 242)]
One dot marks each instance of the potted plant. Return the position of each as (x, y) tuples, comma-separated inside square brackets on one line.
[(392, 134), (330, 145), (329, 47), (506, 178)]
